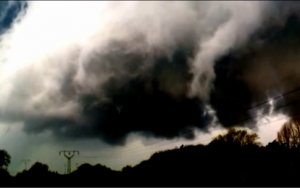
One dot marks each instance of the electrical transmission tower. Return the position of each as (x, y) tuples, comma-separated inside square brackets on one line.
[(25, 161), (69, 155)]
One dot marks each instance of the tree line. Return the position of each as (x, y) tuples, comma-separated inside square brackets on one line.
[(235, 158)]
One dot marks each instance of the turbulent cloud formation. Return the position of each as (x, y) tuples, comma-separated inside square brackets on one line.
[(266, 69), (107, 69)]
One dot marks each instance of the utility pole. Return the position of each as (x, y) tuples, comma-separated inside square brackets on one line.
[(69, 155), (25, 161), (65, 168)]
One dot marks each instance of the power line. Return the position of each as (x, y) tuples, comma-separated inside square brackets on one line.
[(295, 115), (168, 143), (255, 106), (277, 97), (274, 98), (285, 105), (134, 149), (277, 108), (150, 146), (144, 149), (159, 141), (147, 149)]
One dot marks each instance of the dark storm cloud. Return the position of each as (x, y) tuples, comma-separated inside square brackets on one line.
[(265, 68), (143, 103), (139, 83)]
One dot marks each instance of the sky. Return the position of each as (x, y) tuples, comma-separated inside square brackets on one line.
[(44, 148), (118, 81)]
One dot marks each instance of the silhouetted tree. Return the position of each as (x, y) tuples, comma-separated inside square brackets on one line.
[(39, 168), (289, 134), (4, 159), (274, 145), (239, 137), (126, 168)]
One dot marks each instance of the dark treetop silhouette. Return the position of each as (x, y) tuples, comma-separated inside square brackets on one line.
[(233, 159), (4, 159)]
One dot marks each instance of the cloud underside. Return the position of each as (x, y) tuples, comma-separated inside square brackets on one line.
[(155, 84)]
